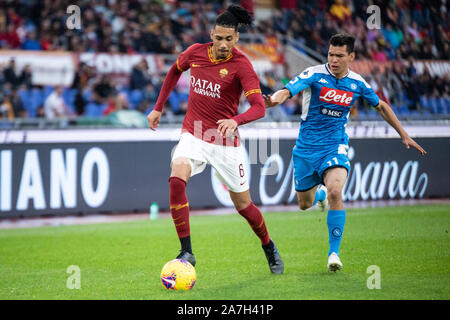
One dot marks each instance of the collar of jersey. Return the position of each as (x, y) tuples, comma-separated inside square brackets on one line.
[(331, 73), (210, 55)]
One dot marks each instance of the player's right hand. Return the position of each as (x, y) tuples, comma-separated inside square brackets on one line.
[(153, 119), (408, 142)]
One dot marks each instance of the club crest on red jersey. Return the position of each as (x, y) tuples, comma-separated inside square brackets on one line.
[(223, 73)]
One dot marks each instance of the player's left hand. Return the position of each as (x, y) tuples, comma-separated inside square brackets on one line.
[(408, 142), (226, 127)]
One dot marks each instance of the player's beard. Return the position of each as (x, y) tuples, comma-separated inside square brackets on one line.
[(223, 55)]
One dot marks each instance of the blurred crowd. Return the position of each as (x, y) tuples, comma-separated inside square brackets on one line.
[(405, 29), (410, 29)]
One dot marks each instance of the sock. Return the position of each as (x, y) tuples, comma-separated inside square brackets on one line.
[(336, 222), (179, 208), (256, 221), (186, 244), (320, 195)]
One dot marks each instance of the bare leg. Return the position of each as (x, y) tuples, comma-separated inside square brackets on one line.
[(334, 180), (181, 168), (306, 198)]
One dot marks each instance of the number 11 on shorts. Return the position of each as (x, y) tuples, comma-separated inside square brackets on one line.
[(335, 162)]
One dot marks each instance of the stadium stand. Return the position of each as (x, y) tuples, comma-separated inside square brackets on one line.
[(412, 31)]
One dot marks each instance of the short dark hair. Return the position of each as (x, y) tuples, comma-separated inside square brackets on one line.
[(233, 17), (342, 39)]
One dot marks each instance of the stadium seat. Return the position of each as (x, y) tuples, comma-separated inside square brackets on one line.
[(47, 91), (25, 97), (434, 105), (36, 100), (442, 106), (415, 115), (424, 103), (94, 110), (372, 115), (447, 105), (426, 115), (135, 98), (87, 93), (403, 110), (362, 115), (69, 98), (175, 100), (394, 108), (6, 125)]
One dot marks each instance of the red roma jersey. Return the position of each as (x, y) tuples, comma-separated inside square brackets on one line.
[(215, 89)]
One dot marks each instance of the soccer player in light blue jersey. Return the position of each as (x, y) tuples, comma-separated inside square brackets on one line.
[(320, 152)]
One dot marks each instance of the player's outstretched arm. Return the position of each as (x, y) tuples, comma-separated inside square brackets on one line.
[(277, 98), (169, 83), (389, 116), (256, 111)]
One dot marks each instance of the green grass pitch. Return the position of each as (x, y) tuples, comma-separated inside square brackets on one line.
[(409, 244)]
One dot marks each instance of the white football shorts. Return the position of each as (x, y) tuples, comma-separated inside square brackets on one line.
[(229, 162)]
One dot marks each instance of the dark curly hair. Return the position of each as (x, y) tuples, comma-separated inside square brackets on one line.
[(234, 17)]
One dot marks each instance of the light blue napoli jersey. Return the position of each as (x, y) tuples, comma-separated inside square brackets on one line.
[(326, 105)]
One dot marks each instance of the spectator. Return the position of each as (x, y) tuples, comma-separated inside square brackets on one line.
[(393, 37), (340, 11), (394, 85), (10, 75), (40, 113), (54, 105), (175, 100), (149, 94), (119, 102), (377, 54), (31, 43), (413, 93), (17, 104), (103, 89), (6, 110), (26, 77), (79, 102), (83, 75), (9, 37), (140, 75)]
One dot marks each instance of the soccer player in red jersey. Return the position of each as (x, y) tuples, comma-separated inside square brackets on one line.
[(219, 74)]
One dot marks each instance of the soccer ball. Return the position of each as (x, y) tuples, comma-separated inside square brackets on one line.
[(178, 274)]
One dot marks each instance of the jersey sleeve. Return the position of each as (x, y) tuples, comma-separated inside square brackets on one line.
[(250, 85), (249, 79), (183, 62), (368, 94), (300, 82)]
